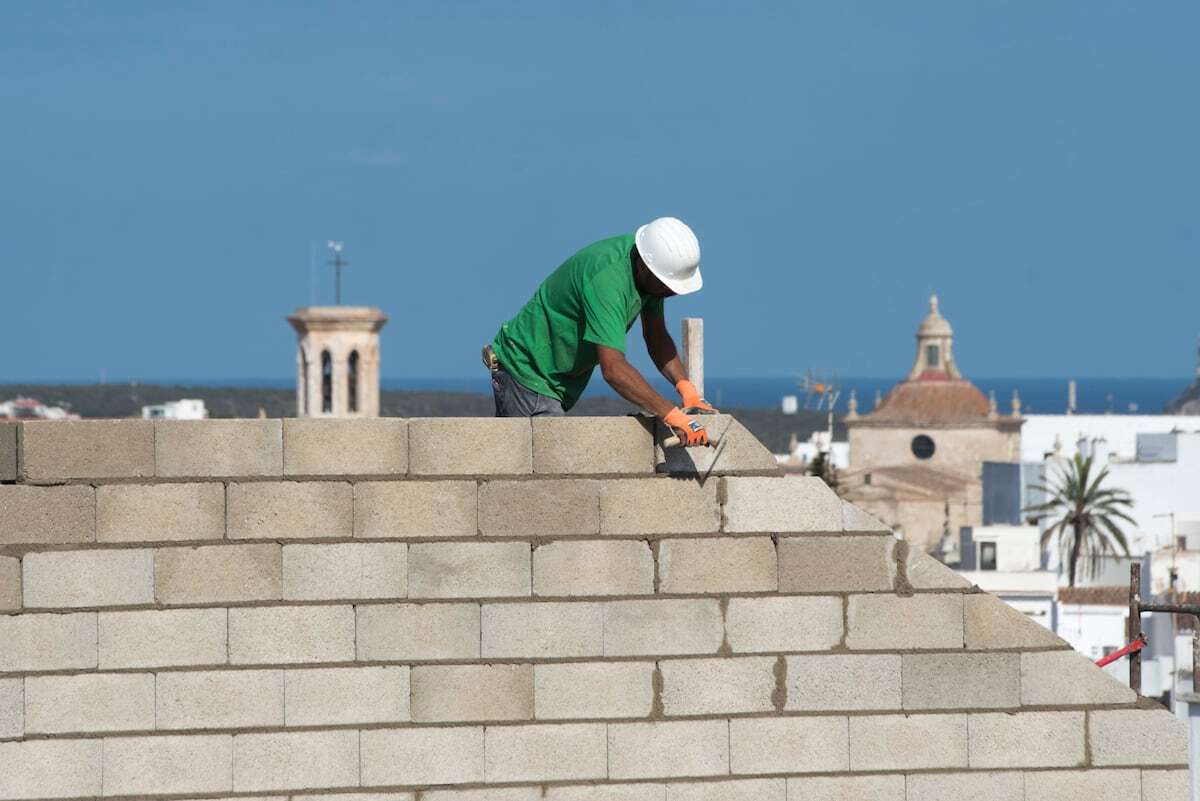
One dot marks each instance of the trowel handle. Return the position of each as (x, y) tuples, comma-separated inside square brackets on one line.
[(674, 441)]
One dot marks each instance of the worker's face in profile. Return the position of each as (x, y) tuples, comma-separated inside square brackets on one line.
[(647, 281)]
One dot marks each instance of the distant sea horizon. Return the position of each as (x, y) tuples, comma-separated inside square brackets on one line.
[(1041, 395)]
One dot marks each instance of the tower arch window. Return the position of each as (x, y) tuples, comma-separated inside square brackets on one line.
[(923, 447), (352, 382), (933, 356), (305, 401), (326, 383)]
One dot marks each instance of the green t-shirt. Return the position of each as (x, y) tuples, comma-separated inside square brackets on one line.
[(590, 300)]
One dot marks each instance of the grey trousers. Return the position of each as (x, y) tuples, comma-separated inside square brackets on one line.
[(514, 400)]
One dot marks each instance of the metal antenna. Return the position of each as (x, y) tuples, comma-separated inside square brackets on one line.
[(338, 263)]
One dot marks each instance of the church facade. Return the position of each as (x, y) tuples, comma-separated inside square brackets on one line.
[(916, 459)]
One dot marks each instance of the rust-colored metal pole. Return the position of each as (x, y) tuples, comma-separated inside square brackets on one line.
[(1133, 626)]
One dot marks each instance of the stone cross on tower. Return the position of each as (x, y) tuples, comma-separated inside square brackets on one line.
[(337, 360)]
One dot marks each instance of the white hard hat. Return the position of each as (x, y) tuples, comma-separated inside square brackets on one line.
[(670, 250)]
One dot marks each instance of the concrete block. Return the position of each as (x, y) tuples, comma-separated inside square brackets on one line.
[(160, 512), (10, 584), (63, 579), (583, 690), (1053, 678), (736, 790), (12, 708), (58, 450), (857, 521), (211, 448), (285, 634), (218, 574), (46, 515), (220, 699), (650, 506), (717, 565), (47, 642), (290, 510), (788, 745), (1094, 785), (89, 703), (843, 682), (989, 623), (8, 451), (546, 752), (295, 760), (926, 573), (451, 755), (693, 687), (163, 638), (417, 631), (801, 623), (615, 567), (1166, 785), (662, 749), (962, 681), (341, 797), (415, 509), (846, 788), (836, 564), (592, 445), (997, 786), (666, 627), (469, 446), (168, 765), (1027, 740), (336, 696), (539, 508), (781, 505), (469, 569), (908, 742), (345, 571), (443, 693), (542, 630), (50, 769), (1137, 737), (367, 447), (643, 791), (891, 623), (739, 451)]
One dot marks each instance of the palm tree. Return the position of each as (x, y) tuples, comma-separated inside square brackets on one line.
[(1090, 510)]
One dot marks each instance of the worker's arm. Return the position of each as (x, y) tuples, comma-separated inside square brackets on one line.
[(633, 387), (662, 350)]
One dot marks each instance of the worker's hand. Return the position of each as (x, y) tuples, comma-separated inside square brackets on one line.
[(689, 429), (691, 396)]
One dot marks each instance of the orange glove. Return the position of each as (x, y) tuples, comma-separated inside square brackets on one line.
[(691, 396), (690, 430)]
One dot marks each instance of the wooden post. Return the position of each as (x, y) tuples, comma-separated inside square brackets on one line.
[(693, 351)]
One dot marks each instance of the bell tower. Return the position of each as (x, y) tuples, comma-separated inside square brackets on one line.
[(337, 360), (935, 347)]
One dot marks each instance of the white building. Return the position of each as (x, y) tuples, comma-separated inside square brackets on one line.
[(186, 409), (1042, 434)]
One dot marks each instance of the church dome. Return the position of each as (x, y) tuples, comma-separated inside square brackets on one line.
[(934, 324)]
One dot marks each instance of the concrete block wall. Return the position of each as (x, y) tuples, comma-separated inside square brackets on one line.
[(476, 609)]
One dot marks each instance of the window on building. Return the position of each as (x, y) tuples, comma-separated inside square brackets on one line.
[(326, 383), (352, 381), (922, 446), (987, 556), (867, 478), (932, 356)]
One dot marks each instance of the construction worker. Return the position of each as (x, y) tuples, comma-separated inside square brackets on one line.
[(541, 359)]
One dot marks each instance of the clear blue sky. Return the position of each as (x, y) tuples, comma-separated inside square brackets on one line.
[(166, 167)]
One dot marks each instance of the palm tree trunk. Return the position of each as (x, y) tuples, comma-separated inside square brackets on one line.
[(1076, 546)]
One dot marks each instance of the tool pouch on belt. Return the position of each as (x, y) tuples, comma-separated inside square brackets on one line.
[(489, 359)]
